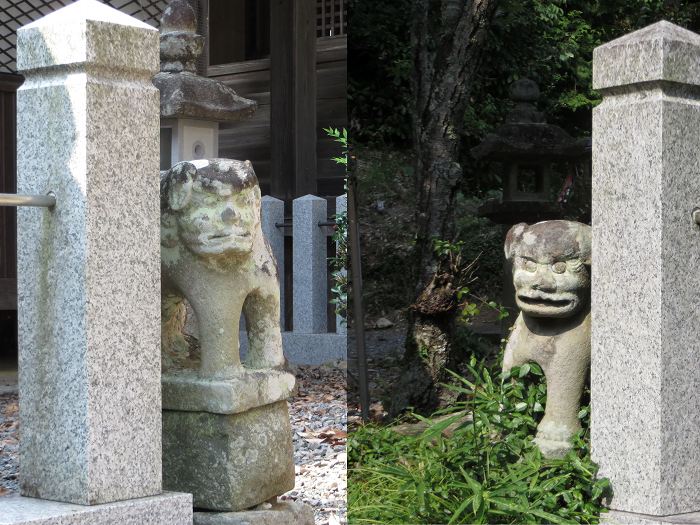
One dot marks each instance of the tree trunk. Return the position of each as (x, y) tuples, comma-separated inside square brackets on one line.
[(448, 38)]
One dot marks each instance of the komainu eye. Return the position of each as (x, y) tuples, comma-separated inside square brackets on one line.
[(559, 267), (530, 266)]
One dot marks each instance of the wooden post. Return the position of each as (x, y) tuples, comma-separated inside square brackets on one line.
[(8, 184), (292, 98)]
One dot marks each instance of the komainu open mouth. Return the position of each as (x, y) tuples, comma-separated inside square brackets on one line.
[(219, 236), (544, 301)]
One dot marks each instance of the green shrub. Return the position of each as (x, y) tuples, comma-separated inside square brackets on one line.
[(486, 471), (339, 263)]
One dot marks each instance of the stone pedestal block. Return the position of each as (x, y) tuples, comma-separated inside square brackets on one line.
[(184, 390), (89, 269), (229, 462), (281, 513), (165, 509), (645, 389)]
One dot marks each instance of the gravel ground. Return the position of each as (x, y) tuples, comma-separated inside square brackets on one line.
[(319, 422), (9, 444)]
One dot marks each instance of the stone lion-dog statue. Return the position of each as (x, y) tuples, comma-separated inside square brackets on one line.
[(551, 274), (213, 254)]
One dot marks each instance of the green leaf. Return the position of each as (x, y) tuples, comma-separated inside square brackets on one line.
[(435, 429), (458, 513)]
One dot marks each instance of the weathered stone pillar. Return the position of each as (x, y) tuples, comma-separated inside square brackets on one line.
[(272, 214), (310, 305), (645, 385), (89, 270)]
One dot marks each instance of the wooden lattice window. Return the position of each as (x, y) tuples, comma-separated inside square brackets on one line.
[(331, 18), (16, 13)]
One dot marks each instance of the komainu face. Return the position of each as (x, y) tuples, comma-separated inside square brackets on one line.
[(216, 207), (551, 267), (219, 221)]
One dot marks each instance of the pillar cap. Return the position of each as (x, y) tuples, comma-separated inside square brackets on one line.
[(99, 35), (661, 51)]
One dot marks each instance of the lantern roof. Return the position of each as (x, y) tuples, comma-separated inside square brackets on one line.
[(526, 133), (184, 93)]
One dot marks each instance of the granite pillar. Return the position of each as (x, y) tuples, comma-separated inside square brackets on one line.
[(273, 214), (645, 388), (89, 269), (310, 312)]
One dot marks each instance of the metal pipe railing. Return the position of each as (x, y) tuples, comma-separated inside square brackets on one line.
[(42, 201), (288, 224)]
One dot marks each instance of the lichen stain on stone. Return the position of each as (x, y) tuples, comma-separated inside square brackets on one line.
[(529, 238)]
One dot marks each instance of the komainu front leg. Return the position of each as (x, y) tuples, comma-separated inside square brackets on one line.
[(560, 421), (218, 337), (173, 344), (262, 318), (516, 353)]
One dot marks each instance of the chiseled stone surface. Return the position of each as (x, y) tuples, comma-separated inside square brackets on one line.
[(551, 274), (185, 390), (166, 509), (280, 513), (88, 270), (229, 462), (88, 33), (309, 257), (661, 51), (213, 254), (645, 389)]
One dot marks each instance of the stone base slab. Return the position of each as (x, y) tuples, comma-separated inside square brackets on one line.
[(167, 509), (184, 390), (616, 517), (309, 349), (281, 513), (229, 462)]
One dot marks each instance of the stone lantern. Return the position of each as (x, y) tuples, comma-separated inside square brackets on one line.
[(537, 161), (535, 158), (191, 106)]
